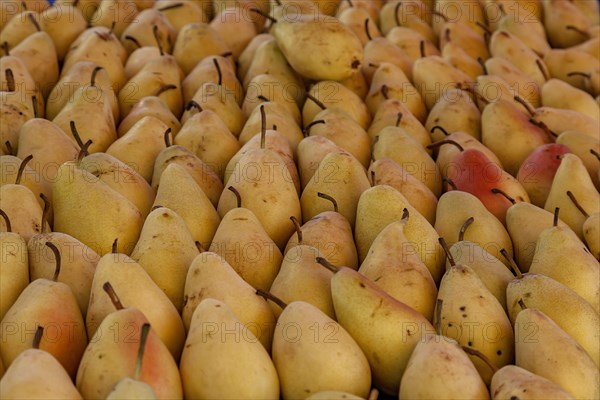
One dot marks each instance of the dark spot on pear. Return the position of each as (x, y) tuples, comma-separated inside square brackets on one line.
[(463, 308), (499, 352)]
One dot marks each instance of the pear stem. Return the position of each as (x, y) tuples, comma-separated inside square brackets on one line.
[(34, 105), (503, 193), (438, 127), (9, 147), (525, 104), (76, 135), (481, 356), (316, 101), (555, 220), (156, 207), (483, 27), (272, 297), (141, 349), (93, 77), (199, 246), (6, 220), (263, 98), (447, 35), (327, 264), (374, 393), (398, 119), (261, 13), (450, 183), (540, 124), (437, 320), (22, 168), (37, 338), (115, 246), (167, 136), (114, 298), (439, 14), (164, 88), (350, 3), (405, 216), (298, 228), (576, 203), (237, 194), (512, 263), (385, 91), (373, 180), (331, 199), (134, 40), (57, 259), (367, 29), (375, 140), (193, 104), (443, 142), (34, 22), (84, 151), (6, 51), (464, 227), (595, 154), (263, 126), (540, 66), (580, 73), (219, 73), (170, 7), (444, 245), (502, 10), (483, 67), (157, 39), (578, 30), (396, 16), (522, 304), (306, 130), (45, 212)]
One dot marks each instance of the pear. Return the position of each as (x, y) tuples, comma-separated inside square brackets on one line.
[(301, 278), (266, 87), (28, 173), (16, 108), (521, 83), (323, 7), (393, 112), (485, 230), (37, 374), (409, 41), (214, 97), (167, 265), (147, 21), (342, 178), (582, 274), (468, 304), (559, 94), (360, 22), (210, 276), (329, 233), (572, 177), (178, 191), (591, 233), (309, 363), (216, 69), (135, 287), (460, 59), (380, 50), (339, 50), (119, 13), (562, 120), (276, 116), (530, 30), (122, 178), (584, 147), (149, 106), (51, 304), (356, 298), (249, 249), (216, 334), (18, 28), (246, 57), (392, 263), (201, 37), (459, 12), (460, 34), (139, 58), (512, 381), (86, 7), (110, 358), (558, 16), (235, 26), (310, 152), (110, 214), (573, 314), (14, 274), (63, 22), (182, 14), (414, 15), (493, 88), (544, 349), (381, 205), (574, 66)]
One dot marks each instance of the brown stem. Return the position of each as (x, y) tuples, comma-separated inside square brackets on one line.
[(272, 297), (237, 194), (57, 259), (164, 88), (539, 64), (331, 199), (464, 227), (316, 101), (156, 207), (444, 245), (219, 73), (437, 320), (350, 3), (226, 54), (481, 356), (502, 10), (263, 126), (522, 304), (323, 261), (373, 181), (439, 14), (438, 127), (422, 49), (199, 246), (22, 168), (443, 142), (512, 263), (112, 28), (141, 349), (37, 338), (263, 98), (34, 22), (503, 193), (483, 67), (84, 151), (525, 104), (170, 7), (540, 124), (405, 216), (385, 90), (114, 298), (483, 27), (9, 147), (76, 135), (6, 49), (10, 80), (263, 14), (134, 40), (45, 211), (298, 228), (94, 73), (398, 119), (396, 16), (375, 140), (470, 89), (578, 30), (167, 136), (577, 204), (447, 36), (157, 39), (306, 130), (450, 183), (34, 105), (555, 220), (193, 104), (587, 75), (367, 30), (6, 220), (595, 154)]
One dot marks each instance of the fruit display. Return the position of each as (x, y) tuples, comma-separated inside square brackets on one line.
[(300, 199)]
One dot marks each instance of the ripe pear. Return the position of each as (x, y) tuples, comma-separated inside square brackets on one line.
[(414, 15), (387, 172), (459, 59), (393, 112), (19, 27), (591, 234), (559, 94), (558, 15), (470, 14), (236, 26), (310, 364), (147, 21), (460, 34), (121, 13), (14, 273), (493, 88), (139, 58), (333, 394), (512, 381), (381, 205), (360, 22), (210, 276), (15, 111), (63, 22), (584, 147), (544, 349), (216, 69), (311, 150), (210, 339), (178, 191), (527, 28), (246, 57), (29, 173), (137, 290), (214, 97), (92, 212), (149, 106), (23, 209), (585, 67), (276, 116), (182, 14), (199, 36), (521, 83), (37, 374), (266, 87), (381, 50), (561, 120), (409, 41)]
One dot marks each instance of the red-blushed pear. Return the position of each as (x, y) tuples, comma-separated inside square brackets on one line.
[(36, 374), (48, 303), (381, 205), (537, 171), (245, 244), (474, 173), (77, 265), (138, 289), (195, 42), (178, 191), (511, 381), (372, 318), (110, 358), (149, 106), (393, 112), (392, 263), (388, 172), (14, 271), (142, 31), (210, 276), (443, 113)]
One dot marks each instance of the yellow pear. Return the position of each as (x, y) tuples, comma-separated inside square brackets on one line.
[(147, 21), (19, 27), (182, 14), (521, 83), (246, 57), (511, 381), (559, 94), (149, 106), (524, 26), (584, 147), (235, 26), (381, 50), (311, 150), (360, 22), (591, 233), (216, 69), (117, 12), (561, 120), (558, 16), (14, 273), (574, 66), (27, 172), (276, 116), (266, 87), (411, 43), (393, 112), (464, 36), (196, 41), (63, 22), (138, 59), (217, 98)]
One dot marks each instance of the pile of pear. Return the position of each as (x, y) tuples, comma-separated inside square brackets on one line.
[(324, 199)]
